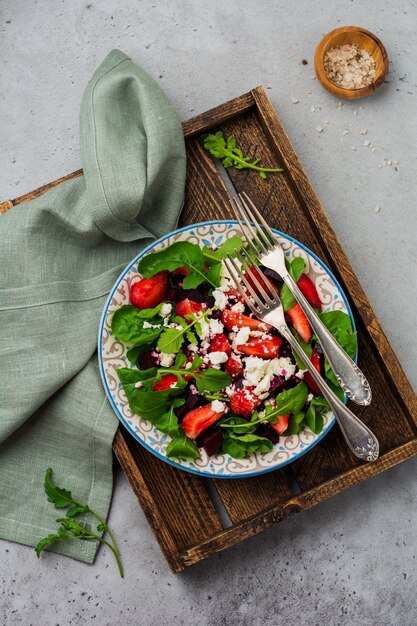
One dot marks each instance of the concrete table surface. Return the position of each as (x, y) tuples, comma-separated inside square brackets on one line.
[(353, 559)]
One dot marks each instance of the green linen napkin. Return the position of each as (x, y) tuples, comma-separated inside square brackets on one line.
[(60, 255)]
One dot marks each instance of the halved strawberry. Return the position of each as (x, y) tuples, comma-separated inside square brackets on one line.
[(308, 379), (300, 322), (149, 292), (309, 290), (263, 348), (234, 367), (187, 307), (166, 382), (267, 284), (219, 343), (282, 424), (244, 402), (232, 318), (199, 419)]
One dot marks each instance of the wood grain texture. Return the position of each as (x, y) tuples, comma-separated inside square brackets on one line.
[(177, 504)]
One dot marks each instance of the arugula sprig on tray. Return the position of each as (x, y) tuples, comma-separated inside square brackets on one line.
[(69, 528), (232, 156)]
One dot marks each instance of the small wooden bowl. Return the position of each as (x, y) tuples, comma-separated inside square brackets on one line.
[(361, 38)]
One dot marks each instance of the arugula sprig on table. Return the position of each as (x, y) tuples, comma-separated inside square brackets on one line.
[(232, 156), (69, 528)]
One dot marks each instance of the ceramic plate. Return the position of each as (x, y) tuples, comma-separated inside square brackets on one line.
[(112, 355)]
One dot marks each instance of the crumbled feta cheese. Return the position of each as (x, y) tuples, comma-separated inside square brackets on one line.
[(217, 357), (173, 385), (166, 360), (203, 329), (218, 407), (193, 389), (230, 390), (216, 327), (139, 384), (300, 374), (166, 309), (241, 336), (148, 325), (310, 397), (287, 367), (259, 372), (193, 347), (188, 365), (205, 345), (220, 299), (239, 307)]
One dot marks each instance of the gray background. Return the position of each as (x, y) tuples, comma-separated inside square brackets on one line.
[(352, 559)]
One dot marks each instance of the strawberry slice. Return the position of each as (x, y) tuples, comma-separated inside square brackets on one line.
[(263, 348), (308, 379), (187, 307), (233, 318), (244, 402), (166, 382), (300, 322), (219, 343), (149, 292), (199, 419), (267, 284), (234, 368), (282, 424), (234, 294), (309, 290)]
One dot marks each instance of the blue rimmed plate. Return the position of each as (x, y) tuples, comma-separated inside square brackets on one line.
[(112, 355)]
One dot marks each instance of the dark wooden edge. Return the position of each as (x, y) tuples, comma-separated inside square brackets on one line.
[(147, 502), (387, 358), (301, 502)]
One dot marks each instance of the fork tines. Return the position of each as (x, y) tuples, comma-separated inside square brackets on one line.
[(260, 233), (256, 305)]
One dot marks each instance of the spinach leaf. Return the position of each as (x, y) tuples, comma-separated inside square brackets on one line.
[(305, 346), (292, 400), (295, 424), (168, 422), (147, 403), (238, 445), (339, 324), (178, 254), (296, 268), (228, 247), (212, 379), (182, 446), (128, 325), (314, 415)]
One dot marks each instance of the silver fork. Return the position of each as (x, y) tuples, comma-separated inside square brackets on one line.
[(268, 250), (267, 307)]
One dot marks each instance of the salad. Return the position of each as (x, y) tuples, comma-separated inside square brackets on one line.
[(204, 370)]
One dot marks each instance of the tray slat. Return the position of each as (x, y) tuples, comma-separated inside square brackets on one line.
[(177, 505)]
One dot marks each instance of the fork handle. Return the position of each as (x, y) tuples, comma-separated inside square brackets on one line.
[(351, 378), (358, 436)]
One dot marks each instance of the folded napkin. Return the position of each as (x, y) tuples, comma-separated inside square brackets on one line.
[(59, 256)]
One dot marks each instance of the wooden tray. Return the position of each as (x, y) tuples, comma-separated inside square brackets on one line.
[(193, 517)]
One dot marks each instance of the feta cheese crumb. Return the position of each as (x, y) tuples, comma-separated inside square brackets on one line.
[(300, 374), (139, 384), (166, 360), (218, 407), (239, 307), (310, 397), (193, 347), (166, 309), (241, 337), (220, 299), (217, 357), (148, 325), (204, 329), (215, 327)]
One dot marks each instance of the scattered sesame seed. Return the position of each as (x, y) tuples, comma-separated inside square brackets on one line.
[(366, 143), (319, 129), (295, 100), (377, 209), (312, 108)]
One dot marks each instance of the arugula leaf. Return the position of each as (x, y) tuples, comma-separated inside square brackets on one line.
[(296, 268), (70, 529), (239, 425), (172, 339), (295, 424), (182, 446), (168, 422), (314, 416), (212, 379), (177, 255), (128, 325), (61, 535), (292, 400), (228, 247), (232, 156)]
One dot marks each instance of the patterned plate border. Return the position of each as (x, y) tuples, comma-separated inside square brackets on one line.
[(219, 466)]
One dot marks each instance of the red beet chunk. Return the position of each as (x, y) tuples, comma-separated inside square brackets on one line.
[(212, 441), (265, 430), (192, 401), (146, 361)]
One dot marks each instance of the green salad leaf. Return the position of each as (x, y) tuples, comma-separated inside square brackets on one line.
[(168, 422), (238, 446), (292, 400), (296, 268), (232, 156), (129, 324), (212, 379), (182, 446), (178, 254), (314, 415), (339, 324), (212, 257), (295, 424)]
